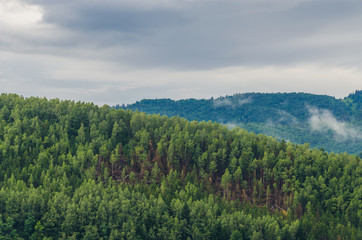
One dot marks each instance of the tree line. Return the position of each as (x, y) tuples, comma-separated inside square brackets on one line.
[(281, 115), (74, 170)]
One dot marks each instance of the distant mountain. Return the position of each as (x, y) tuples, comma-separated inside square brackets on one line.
[(321, 120), (73, 170)]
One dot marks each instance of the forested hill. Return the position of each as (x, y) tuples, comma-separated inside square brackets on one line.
[(78, 171), (323, 121)]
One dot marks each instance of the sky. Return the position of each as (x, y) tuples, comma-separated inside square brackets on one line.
[(121, 51)]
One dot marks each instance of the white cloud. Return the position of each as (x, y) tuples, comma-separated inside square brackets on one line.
[(225, 102), (323, 120), (244, 101), (222, 102), (16, 13)]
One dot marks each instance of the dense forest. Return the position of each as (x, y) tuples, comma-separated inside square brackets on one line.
[(321, 120), (73, 170)]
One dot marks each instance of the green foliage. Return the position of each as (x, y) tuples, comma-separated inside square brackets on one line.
[(282, 115), (78, 171)]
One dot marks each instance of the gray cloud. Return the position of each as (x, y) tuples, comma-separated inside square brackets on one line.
[(180, 48), (209, 34)]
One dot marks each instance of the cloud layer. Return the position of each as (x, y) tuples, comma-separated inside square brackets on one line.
[(121, 51)]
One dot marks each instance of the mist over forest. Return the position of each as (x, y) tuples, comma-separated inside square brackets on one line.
[(180, 120), (320, 120), (74, 170)]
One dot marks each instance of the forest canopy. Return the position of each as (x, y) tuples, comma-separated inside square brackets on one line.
[(74, 170), (323, 121)]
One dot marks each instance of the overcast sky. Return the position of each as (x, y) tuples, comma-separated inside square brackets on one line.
[(121, 51)]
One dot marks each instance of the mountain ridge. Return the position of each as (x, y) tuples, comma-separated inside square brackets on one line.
[(297, 117), (72, 170)]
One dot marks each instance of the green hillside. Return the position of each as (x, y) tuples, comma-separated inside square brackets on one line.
[(323, 121), (78, 171)]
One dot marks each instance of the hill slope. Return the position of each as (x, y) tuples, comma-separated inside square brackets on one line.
[(78, 171), (322, 121)]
